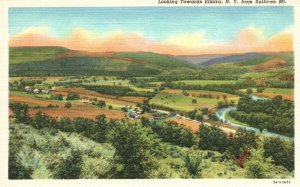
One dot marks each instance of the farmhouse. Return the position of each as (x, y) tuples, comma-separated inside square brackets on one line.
[(27, 89), (133, 114), (45, 91), (36, 91)]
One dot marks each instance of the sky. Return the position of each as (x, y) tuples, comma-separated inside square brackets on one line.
[(171, 30)]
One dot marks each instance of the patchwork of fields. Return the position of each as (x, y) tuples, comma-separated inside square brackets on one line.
[(78, 109)]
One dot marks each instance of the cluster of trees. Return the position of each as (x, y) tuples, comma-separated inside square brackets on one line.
[(59, 97), (172, 132), (259, 120), (146, 107), (68, 105), (205, 73), (280, 83), (73, 96), (195, 114), (99, 103), (275, 115), (141, 82), (225, 103)]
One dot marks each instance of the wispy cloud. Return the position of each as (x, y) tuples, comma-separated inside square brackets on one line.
[(249, 39)]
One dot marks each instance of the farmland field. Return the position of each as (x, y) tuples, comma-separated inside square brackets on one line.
[(189, 124), (83, 111), (33, 101), (286, 93), (203, 93), (77, 110), (181, 102)]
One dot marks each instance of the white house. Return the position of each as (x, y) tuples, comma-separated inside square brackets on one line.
[(27, 88), (45, 91), (36, 91), (53, 89)]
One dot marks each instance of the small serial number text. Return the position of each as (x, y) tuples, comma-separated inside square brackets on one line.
[(282, 182)]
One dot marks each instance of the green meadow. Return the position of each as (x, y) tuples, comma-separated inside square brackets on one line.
[(181, 102)]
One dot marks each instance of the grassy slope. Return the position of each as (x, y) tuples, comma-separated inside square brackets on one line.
[(275, 73), (288, 57), (49, 149), (271, 74), (33, 54), (42, 151)]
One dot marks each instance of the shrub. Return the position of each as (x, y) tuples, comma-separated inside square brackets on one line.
[(68, 105), (73, 96)]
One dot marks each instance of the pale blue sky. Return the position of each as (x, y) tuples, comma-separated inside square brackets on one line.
[(157, 23)]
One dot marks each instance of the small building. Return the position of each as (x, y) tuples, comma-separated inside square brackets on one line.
[(36, 91), (133, 114), (205, 117), (53, 89), (27, 89), (45, 91)]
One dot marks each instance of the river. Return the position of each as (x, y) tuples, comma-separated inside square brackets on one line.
[(221, 115)]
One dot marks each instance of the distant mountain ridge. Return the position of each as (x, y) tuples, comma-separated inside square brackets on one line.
[(63, 61), (207, 60)]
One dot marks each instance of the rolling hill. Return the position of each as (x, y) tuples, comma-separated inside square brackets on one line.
[(61, 61), (208, 60)]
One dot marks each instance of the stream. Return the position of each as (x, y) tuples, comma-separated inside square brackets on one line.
[(221, 115)]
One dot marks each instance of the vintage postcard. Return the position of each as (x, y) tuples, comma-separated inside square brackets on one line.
[(189, 91)]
